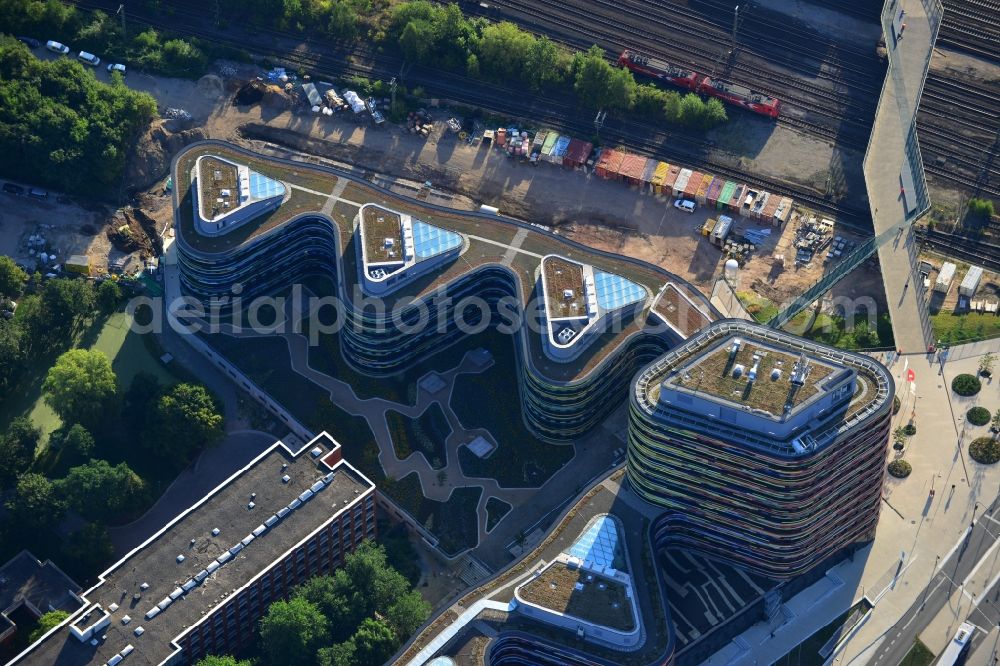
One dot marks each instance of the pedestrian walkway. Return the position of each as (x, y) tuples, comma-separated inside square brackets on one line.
[(894, 174)]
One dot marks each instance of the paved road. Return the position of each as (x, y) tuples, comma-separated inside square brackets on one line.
[(899, 639)]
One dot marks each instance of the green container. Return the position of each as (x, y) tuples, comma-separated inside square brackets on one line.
[(727, 193)]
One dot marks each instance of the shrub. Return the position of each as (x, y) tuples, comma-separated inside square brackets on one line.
[(966, 385), (985, 450), (900, 468), (978, 416), (896, 404), (910, 430)]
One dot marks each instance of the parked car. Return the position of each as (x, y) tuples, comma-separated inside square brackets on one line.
[(56, 47), (30, 42), (38, 193), (88, 58), (116, 67), (685, 205), (13, 188)]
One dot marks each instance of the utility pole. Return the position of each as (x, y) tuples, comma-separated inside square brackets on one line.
[(599, 121), (121, 12), (736, 26)]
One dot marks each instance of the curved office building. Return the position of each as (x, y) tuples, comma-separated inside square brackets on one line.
[(414, 278), (766, 450)]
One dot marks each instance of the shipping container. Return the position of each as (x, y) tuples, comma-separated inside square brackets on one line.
[(550, 143), (609, 163), (683, 177), (539, 140), (708, 227), (783, 212), (712, 197), (767, 215), (971, 282), (502, 137), (757, 212), (944, 277), (668, 182), (693, 184), (726, 195), (701, 193), (739, 193), (721, 230), (559, 150), (649, 173), (632, 168), (577, 153), (659, 176)]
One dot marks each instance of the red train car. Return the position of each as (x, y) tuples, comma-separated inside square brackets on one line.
[(659, 69), (733, 93), (740, 95)]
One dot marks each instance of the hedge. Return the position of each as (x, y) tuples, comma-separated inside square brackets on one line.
[(978, 416), (985, 450), (900, 468), (966, 385)]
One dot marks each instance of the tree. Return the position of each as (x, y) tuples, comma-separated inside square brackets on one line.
[(986, 364), (88, 551), (966, 385), (417, 41), (74, 438), (292, 631), (374, 642), (213, 660), (36, 503), (184, 420), (142, 394), (109, 295), (407, 614), (17, 449), (81, 387), (61, 309), (341, 654), (47, 622), (601, 86), (12, 355), (99, 491), (12, 278), (995, 423)]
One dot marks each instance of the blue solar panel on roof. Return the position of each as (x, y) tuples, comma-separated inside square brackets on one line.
[(262, 187), (598, 543), (430, 241), (614, 291)]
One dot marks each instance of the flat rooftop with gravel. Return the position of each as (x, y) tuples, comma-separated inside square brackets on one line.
[(156, 569)]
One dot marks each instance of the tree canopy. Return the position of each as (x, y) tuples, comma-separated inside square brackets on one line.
[(36, 502), (12, 278), (291, 632), (73, 438), (81, 387), (46, 622), (17, 449), (60, 126), (184, 420), (98, 490), (369, 610), (213, 660)]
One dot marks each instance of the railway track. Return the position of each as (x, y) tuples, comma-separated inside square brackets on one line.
[(561, 113), (965, 248), (845, 108), (972, 26)]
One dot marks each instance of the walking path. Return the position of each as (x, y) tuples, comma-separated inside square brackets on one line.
[(374, 411), (894, 172)]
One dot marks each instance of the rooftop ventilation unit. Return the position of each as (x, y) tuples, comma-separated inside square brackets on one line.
[(565, 335), (568, 294), (752, 375), (737, 343), (260, 529), (152, 612), (294, 504), (250, 505), (775, 374), (271, 521), (139, 631), (201, 575), (316, 452), (318, 486), (213, 566), (215, 532), (189, 585), (247, 539), (286, 479), (180, 558), (126, 619), (738, 371), (801, 370), (144, 586), (306, 494)]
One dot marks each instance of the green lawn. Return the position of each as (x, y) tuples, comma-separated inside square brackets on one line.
[(454, 522), (496, 509), (127, 351), (490, 400), (918, 655), (951, 328), (425, 434)]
